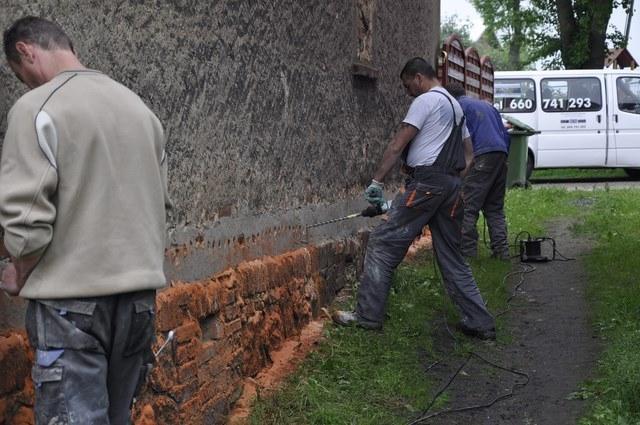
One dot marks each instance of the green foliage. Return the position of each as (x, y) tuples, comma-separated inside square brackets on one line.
[(454, 25), (534, 30)]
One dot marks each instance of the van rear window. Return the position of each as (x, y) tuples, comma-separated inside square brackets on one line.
[(514, 95), (571, 94)]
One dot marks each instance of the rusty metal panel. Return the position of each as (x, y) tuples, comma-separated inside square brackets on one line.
[(486, 78), (472, 72), (451, 64)]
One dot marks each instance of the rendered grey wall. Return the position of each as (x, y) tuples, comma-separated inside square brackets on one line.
[(268, 130), (259, 105)]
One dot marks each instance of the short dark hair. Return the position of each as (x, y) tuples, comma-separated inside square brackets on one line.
[(32, 29), (455, 89), (418, 66)]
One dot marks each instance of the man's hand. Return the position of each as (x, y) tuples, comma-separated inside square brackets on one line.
[(9, 282), (374, 194)]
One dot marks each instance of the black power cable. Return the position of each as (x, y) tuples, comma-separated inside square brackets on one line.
[(525, 269), (510, 392)]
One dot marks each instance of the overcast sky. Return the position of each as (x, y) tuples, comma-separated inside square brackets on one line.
[(465, 10)]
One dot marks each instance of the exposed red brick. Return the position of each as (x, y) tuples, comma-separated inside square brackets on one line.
[(227, 327), (212, 328), (225, 357), (232, 311), (184, 392), (233, 327), (27, 396), (163, 376), (14, 362), (188, 331), (187, 372), (3, 411), (24, 416), (188, 351), (208, 351), (147, 416)]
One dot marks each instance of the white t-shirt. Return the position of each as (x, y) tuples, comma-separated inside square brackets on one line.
[(431, 114)]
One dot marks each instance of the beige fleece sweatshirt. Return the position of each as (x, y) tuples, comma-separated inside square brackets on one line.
[(83, 186)]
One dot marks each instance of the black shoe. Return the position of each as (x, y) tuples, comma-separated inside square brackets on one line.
[(351, 318), (477, 333)]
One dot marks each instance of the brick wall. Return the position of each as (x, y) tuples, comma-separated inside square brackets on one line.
[(16, 388), (225, 328)]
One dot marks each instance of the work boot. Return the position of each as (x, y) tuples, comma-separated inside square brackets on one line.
[(477, 333), (351, 318)]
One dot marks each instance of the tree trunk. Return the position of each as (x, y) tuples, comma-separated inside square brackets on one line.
[(515, 46), (567, 27), (583, 32), (600, 12)]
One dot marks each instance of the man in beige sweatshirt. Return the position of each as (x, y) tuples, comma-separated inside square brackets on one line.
[(83, 196)]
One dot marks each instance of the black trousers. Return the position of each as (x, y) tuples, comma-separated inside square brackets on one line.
[(433, 199), (484, 190), (92, 356)]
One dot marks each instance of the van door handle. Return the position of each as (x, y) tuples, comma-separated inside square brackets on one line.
[(615, 117), (599, 118)]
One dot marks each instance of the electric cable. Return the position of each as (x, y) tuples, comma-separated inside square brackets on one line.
[(562, 257), (510, 393), (526, 269)]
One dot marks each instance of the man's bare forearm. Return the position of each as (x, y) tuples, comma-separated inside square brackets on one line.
[(392, 153)]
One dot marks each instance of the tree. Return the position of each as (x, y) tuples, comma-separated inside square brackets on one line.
[(582, 30), (512, 25), (568, 33), (453, 25)]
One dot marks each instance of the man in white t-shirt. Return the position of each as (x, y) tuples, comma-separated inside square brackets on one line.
[(430, 140)]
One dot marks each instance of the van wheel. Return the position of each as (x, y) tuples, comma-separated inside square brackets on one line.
[(530, 166), (634, 173)]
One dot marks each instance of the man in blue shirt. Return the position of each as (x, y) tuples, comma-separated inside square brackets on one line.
[(484, 184)]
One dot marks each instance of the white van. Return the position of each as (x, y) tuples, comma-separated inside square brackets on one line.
[(586, 118)]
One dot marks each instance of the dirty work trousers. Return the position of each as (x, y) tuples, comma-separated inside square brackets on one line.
[(92, 356), (433, 199), (484, 190)]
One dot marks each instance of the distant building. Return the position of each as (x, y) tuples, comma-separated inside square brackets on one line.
[(619, 59)]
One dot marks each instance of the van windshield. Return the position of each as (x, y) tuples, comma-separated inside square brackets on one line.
[(515, 95)]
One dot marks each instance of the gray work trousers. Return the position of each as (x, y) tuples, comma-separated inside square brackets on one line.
[(484, 190), (433, 199), (92, 356)]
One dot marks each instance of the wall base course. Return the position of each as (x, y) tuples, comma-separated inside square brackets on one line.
[(226, 327)]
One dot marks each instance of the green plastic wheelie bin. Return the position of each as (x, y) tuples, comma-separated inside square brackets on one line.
[(518, 151)]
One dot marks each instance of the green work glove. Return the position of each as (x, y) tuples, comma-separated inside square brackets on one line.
[(374, 194)]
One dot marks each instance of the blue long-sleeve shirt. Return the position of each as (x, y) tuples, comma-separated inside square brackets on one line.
[(485, 125)]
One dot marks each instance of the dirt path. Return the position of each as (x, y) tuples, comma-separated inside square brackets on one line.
[(551, 341)]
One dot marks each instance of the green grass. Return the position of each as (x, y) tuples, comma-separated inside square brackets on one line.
[(614, 293), (577, 173), (363, 377), (360, 377)]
